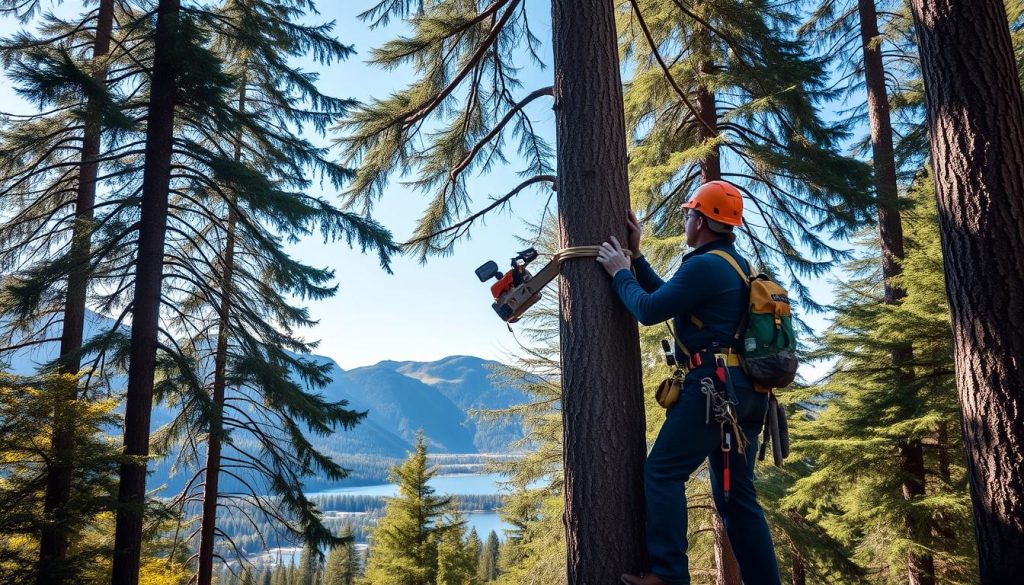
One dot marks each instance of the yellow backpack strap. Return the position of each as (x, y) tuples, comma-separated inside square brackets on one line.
[(746, 280), (735, 265)]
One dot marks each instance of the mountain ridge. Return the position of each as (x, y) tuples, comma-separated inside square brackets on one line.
[(401, 397)]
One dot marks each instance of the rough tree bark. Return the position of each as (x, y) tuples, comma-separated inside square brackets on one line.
[(146, 302), (707, 125), (976, 127), (602, 399), (727, 568), (53, 539), (211, 475), (920, 565)]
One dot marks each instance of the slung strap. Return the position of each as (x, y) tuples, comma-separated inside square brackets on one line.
[(746, 280), (735, 265), (696, 320)]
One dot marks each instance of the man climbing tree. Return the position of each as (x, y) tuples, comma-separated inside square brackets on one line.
[(706, 298), (976, 129)]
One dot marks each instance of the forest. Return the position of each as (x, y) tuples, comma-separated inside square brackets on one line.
[(162, 162)]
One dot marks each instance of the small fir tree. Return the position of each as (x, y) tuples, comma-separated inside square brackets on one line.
[(489, 558), (310, 567), (342, 561), (403, 545), (28, 408), (456, 563)]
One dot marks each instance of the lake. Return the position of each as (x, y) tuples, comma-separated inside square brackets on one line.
[(454, 485), (461, 484)]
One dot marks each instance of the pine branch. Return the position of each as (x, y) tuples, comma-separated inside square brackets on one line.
[(516, 108), (425, 109), (668, 74), (465, 223)]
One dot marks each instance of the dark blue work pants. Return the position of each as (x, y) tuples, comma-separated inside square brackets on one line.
[(683, 444)]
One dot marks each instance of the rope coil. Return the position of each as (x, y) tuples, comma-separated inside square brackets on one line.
[(575, 252)]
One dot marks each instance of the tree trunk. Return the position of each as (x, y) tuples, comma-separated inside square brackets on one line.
[(707, 126), (799, 568), (920, 565), (890, 224), (976, 126), (146, 302), (207, 532), (726, 565), (53, 539), (941, 526), (602, 391)]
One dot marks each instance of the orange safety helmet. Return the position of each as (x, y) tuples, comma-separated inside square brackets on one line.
[(718, 200)]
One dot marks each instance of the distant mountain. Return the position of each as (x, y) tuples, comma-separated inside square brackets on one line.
[(403, 397), (400, 398)]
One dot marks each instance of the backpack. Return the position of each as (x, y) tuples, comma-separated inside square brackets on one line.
[(768, 340)]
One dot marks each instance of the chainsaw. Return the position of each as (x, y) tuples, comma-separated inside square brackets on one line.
[(517, 290)]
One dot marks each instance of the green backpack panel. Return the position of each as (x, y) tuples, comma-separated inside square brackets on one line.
[(768, 339)]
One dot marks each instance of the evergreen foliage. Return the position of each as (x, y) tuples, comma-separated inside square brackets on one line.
[(28, 407), (474, 550), (852, 425), (404, 545), (342, 562), (454, 119)]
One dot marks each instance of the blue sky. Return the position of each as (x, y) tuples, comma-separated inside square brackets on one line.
[(421, 312)]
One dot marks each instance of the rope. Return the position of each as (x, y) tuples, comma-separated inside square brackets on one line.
[(576, 252)]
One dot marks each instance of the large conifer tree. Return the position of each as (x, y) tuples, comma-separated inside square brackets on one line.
[(834, 24), (149, 262), (855, 484), (976, 129), (234, 278), (452, 121), (48, 185)]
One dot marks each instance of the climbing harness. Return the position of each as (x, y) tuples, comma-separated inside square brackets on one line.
[(721, 401), (517, 290)]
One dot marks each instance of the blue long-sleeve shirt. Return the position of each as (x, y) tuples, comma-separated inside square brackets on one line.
[(705, 286)]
